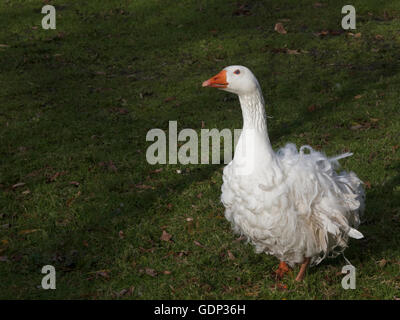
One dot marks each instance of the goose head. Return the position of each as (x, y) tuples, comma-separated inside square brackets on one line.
[(236, 79)]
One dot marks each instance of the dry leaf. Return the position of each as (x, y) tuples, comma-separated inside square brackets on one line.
[(165, 236), (4, 46), (356, 127), (279, 50), (117, 110), (239, 239), (143, 186), (242, 10), (281, 286), (182, 253), (169, 99), (147, 250), (22, 232), (357, 96), (167, 272), (279, 28), (121, 234), (54, 177), (70, 200), (318, 5), (312, 108), (17, 185), (382, 263), (379, 37), (111, 166), (74, 183), (198, 244), (357, 35), (322, 33), (103, 273), (288, 51), (231, 256), (124, 292), (151, 272)]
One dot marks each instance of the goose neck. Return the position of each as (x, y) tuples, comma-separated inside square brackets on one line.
[(253, 111)]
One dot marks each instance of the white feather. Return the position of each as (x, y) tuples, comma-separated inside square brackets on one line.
[(353, 233)]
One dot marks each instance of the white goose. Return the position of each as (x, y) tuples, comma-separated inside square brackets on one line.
[(289, 203)]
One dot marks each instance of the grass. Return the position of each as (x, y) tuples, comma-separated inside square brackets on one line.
[(77, 102)]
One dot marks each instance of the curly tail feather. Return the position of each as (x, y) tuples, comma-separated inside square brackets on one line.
[(336, 224), (353, 233), (341, 156)]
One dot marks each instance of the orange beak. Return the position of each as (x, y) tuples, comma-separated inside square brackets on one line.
[(218, 81)]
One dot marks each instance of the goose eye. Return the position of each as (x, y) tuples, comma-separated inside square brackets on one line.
[(237, 71)]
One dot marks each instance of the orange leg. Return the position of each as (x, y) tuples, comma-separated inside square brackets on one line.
[(282, 270), (303, 269)]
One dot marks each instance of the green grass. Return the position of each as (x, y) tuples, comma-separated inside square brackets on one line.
[(76, 104)]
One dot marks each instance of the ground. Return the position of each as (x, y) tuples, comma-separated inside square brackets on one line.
[(76, 191)]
